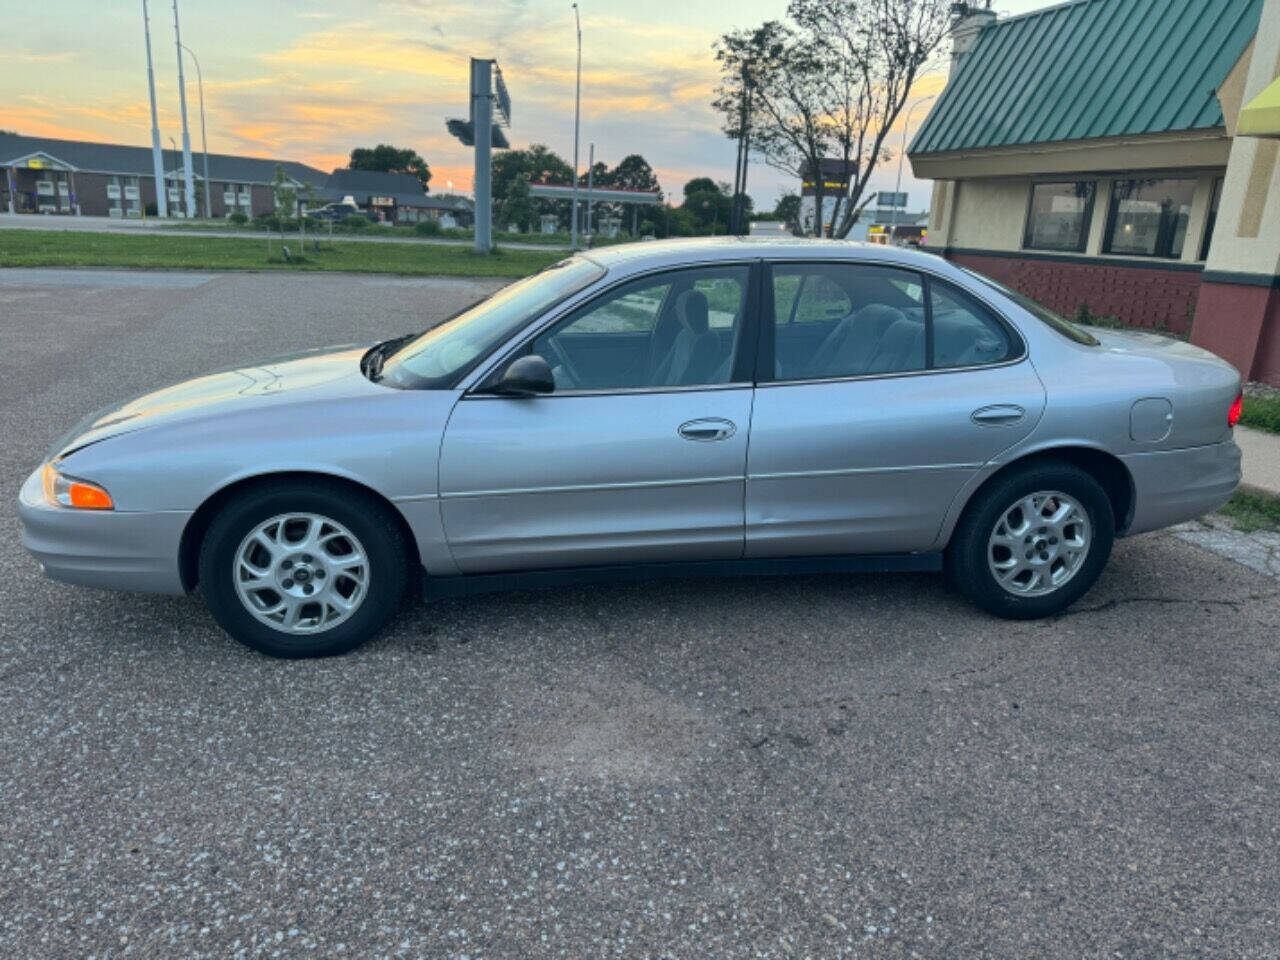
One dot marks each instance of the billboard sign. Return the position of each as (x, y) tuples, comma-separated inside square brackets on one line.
[(835, 177), (897, 201), (504, 98)]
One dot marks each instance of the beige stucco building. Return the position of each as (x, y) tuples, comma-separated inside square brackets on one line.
[(1090, 154)]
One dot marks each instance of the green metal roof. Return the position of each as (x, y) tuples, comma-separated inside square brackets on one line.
[(1091, 68)]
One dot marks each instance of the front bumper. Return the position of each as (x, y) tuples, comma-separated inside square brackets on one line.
[(109, 549), (1173, 486)]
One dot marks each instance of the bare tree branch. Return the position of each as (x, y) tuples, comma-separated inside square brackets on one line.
[(831, 86)]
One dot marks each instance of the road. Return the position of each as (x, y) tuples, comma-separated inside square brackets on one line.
[(817, 767), (21, 221)]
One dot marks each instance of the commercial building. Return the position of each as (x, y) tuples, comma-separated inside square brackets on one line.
[(80, 178), (395, 197), (1089, 155)]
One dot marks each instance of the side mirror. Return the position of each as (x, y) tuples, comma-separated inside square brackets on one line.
[(526, 377)]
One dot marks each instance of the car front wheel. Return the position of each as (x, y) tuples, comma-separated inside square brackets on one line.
[(303, 569), (1033, 542)]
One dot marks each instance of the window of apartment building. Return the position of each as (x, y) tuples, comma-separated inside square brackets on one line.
[(1059, 216), (1211, 219), (1148, 218), (115, 197)]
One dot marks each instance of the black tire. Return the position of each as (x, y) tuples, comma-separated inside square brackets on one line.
[(967, 558), (368, 519)]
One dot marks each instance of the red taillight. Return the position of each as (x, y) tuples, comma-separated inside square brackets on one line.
[(1237, 408)]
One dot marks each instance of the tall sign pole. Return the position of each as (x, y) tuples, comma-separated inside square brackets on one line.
[(482, 126), (577, 113), (157, 158), (591, 182), (187, 175)]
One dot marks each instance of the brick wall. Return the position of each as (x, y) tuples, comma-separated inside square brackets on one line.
[(1150, 297), (91, 194)]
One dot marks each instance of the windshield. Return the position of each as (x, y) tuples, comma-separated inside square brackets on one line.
[(1042, 313), (444, 354)]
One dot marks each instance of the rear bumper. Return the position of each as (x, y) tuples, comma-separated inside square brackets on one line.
[(107, 549), (1174, 486)]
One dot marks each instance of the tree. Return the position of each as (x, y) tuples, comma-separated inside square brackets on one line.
[(831, 86), (707, 205), (700, 185), (634, 173), (786, 72), (286, 198), (517, 205), (540, 165), (787, 209), (309, 198), (389, 159)]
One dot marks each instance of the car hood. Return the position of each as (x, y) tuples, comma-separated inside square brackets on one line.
[(316, 374)]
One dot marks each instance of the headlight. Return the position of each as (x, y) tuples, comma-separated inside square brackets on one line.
[(62, 491)]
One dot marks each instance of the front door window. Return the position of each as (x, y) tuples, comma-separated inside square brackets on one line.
[(679, 329)]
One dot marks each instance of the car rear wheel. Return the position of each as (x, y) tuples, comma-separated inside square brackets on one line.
[(303, 569), (1033, 542)]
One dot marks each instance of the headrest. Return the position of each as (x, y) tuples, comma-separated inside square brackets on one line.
[(692, 310), (878, 315)]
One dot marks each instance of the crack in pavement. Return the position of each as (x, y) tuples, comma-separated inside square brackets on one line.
[(1125, 601)]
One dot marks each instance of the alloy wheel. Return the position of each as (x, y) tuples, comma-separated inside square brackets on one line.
[(301, 573), (1039, 543)]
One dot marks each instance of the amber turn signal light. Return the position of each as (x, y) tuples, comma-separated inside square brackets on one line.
[(65, 492)]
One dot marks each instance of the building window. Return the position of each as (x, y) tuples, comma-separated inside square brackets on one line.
[(1212, 219), (1148, 218), (1059, 216)]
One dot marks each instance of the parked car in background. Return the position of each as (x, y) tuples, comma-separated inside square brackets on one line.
[(898, 234), (670, 408), (337, 212)]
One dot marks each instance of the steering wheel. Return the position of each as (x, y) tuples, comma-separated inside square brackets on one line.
[(563, 362)]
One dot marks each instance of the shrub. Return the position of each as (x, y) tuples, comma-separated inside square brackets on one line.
[(427, 228), (356, 224), (238, 217), (267, 221), (1261, 411), (1087, 318)]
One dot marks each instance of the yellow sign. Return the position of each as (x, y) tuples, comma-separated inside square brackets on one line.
[(1260, 117), (35, 163)]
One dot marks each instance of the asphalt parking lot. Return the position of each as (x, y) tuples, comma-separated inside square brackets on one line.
[(814, 767)]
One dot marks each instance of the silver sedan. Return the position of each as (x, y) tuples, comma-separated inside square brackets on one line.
[(662, 409)]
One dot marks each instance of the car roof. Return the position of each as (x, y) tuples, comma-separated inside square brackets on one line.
[(640, 257)]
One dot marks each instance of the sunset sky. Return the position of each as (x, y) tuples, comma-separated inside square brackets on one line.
[(308, 80)]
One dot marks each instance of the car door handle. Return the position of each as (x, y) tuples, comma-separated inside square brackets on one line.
[(711, 428), (999, 415)]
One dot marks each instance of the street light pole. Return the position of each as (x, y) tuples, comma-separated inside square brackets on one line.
[(577, 113), (905, 127), (157, 151), (187, 175), (204, 140)]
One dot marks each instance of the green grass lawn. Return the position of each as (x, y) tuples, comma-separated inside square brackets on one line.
[(1261, 413), (56, 248), (1253, 511)]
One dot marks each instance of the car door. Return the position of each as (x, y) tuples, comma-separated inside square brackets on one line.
[(638, 455), (882, 391)]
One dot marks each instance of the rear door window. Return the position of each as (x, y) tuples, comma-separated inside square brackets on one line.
[(846, 320), (837, 320)]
